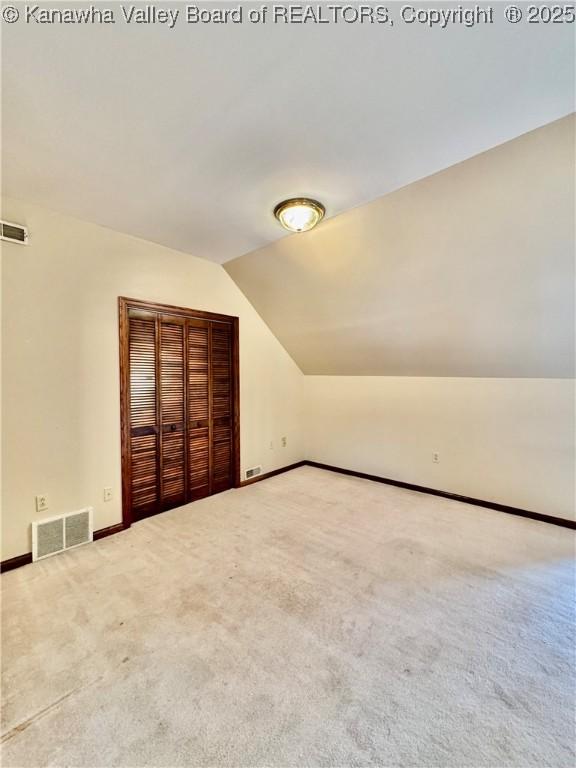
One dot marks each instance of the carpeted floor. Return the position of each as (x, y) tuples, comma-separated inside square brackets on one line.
[(309, 620)]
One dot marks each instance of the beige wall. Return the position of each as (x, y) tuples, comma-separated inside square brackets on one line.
[(61, 430), (507, 440), (504, 440)]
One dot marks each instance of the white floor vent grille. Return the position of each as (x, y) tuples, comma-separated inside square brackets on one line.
[(253, 472), (56, 534)]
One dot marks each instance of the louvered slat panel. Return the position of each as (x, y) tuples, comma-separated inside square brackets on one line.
[(198, 373), (172, 465), (198, 463), (143, 431), (144, 473), (221, 458), (142, 352), (221, 372), (221, 368), (173, 490), (172, 372)]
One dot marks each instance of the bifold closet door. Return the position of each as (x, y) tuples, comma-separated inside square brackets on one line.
[(180, 406), (157, 413), (210, 407), (199, 465), (143, 399), (221, 406), (172, 411)]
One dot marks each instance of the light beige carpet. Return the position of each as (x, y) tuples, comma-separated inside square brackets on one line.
[(308, 620)]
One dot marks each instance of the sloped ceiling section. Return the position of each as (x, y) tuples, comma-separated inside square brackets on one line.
[(469, 272)]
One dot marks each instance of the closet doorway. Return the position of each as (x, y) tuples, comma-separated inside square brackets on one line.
[(179, 396)]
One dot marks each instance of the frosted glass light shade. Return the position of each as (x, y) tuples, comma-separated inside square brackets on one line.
[(299, 213)]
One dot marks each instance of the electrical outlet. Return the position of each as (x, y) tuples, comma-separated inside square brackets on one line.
[(107, 494), (284, 442), (271, 445), (41, 503), (436, 458)]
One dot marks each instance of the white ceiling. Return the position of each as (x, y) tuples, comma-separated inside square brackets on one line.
[(188, 137)]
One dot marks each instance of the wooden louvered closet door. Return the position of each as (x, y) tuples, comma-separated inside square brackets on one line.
[(172, 412), (198, 408), (209, 407), (178, 411), (221, 407), (143, 414)]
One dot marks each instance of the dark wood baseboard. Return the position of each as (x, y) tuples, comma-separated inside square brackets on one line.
[(110, 531), (16, 562), (447, 495), (273, 473)]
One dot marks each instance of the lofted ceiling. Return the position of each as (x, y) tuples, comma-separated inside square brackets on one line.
[(469, 272), (188, 137)]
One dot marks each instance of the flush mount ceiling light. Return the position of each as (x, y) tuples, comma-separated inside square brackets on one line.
[(299, 213)]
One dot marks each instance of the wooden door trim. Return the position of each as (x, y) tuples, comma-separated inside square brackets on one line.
[(126, 304), (170, 309), (236, 401)]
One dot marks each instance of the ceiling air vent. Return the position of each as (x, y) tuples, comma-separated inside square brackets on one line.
[(13, 233), (254, 472), (56, 534)]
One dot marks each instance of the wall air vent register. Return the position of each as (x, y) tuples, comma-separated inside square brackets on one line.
[(57, 534), (13, 233)]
